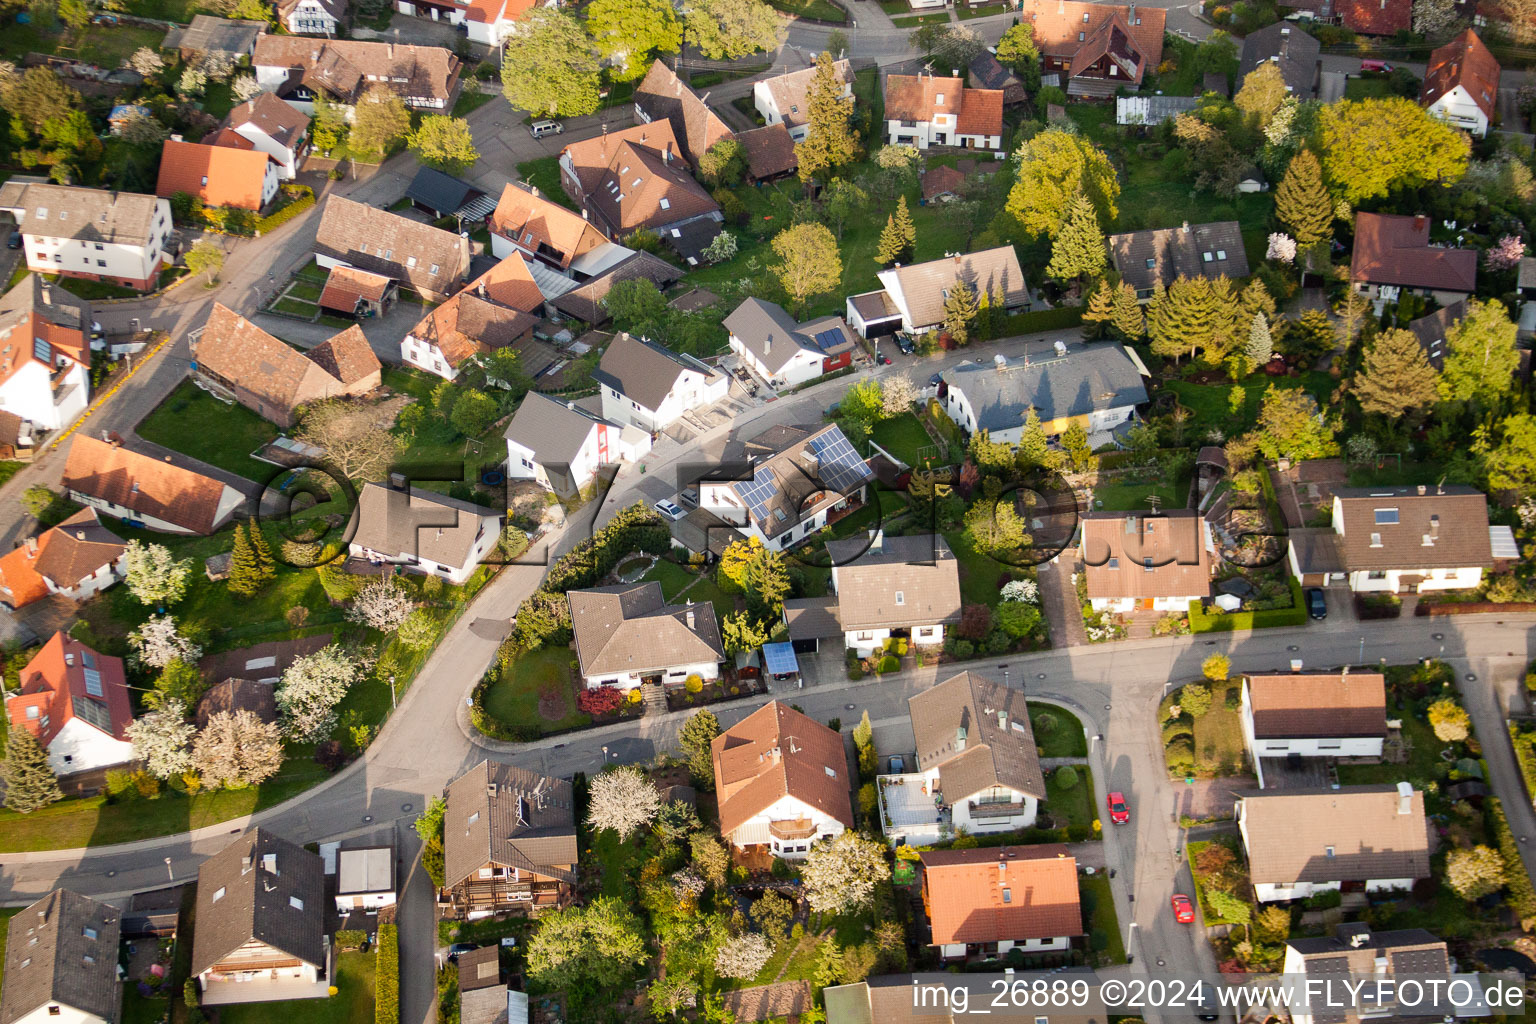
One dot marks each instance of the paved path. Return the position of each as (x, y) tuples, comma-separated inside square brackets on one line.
[(1058, 599)]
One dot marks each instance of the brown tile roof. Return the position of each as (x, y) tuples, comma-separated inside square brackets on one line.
[(1466, 62), (895, 581), (589, 158), (279, 377), (812, 618), (630, 628), (347, 67), (94, 214), (480, 968), (544, 226), (941, 180), (1145, 258), (781, 1000), (347, 357), (384, 243), (920, 97), (66, 554), (791, 91), (1302, 706), (1112, 43), (387, 521), (1058, 24), (346, 286), (260, 887), (992, 753), (663, 96), (770, 151), (63, 950), (994, 271), (501, 814), (981, 112), (143, 484), (1432, 329), (499, 308), (1117, 546), (1376, 17), (1455, 522), (585, 302), (264, 661), (641, 189), (56, 682), (1393, 249), (1289, 833), (280, 121), (218, 175), (1004, 894), (234, 695), (775, 752)]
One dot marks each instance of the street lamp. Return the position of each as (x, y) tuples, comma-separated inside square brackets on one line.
[(1130, 937), (392, 703), (169, 873)]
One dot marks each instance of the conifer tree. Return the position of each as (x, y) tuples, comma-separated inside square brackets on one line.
[(245, 575), (1078, 251), (890, 247), (1256, 299), (29, 780), (830, 139), (1100, 311), (907, 228), (263, 551), (1302, 201), (1129, 321), (960, 312), (1261, 345), (1161, 327), (1396, 378)]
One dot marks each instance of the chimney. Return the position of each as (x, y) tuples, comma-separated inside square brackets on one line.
[(1420, 222), (1002, 866), (69, 659), (1186, 227), (1434, 526), (47, 295), (954, 72), (1405, 798), (1285, 42), (959, 739), (583, 213), (397, 481), (1422, 490), (1002, 720), (690, 618), (1359, 939), (768, 345), (391, 46), (31, 547)]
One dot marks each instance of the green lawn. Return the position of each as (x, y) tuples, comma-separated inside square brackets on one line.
[(139, 1009), (306, 290), (619, 862), (1424, 767), (1374, 88), (313, 271), (819, 9), (470, 100), (1218, 737), (903, 436), (435, 443), (515, 697), (94, 289), (295, 307), (1395, 474), (193, 422), (979, 573), (1210, 403), (1102, 921), (919, 19), (353, 1004), (1116, 496), (1071, 805), (1066, 740), (544, 174), (672, 577), (707, 590)]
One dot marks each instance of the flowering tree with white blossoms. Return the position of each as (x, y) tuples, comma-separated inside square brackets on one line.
[(1282, 247), (624, 800), (158, 642), (246, 86), (840, 875), (742, 956), (237, 750), (1027, 591), (160, 739), (311, 688), (152, 575), (897, 396), (146, 62), (381, 605)]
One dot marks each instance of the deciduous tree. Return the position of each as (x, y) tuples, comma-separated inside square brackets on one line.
[(1433, 18), (445, 143), (1510, 462), (30, 782), (1291, 426), (310, 689), (179, 682), (743, 956), (831, 141), (840, 874), (1480, 357), (897, 396), (729, 29), (623, 799), (549, 68), (1374, 147), (809, 263), (382, 605), (629, 33), (1017, 49), (160, 739), (379, 120), (993, 522), (1396, 378), (953, 47), (772, 913), (724, 163), (1262, 93), (1053, 167), (1077, 251), (1450, 721), (145, 61), (158, 642), (353, 440), (152, 576), (1474, 873), (1302, 201), (596, 946), (237, 749)]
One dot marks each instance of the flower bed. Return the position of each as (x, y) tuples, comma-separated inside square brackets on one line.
[(696, 692), (1378, 606)]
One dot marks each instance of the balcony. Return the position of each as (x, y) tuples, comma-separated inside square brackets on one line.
[(911, 809), (990, 811), (792, 828)]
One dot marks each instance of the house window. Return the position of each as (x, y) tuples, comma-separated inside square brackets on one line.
[(1221, 254), (901, 598), (666, 204), (99, 247), (32, 714), (1206, 256), (389, 253), (205, 179), (938, 99), (434, 269), (410, 261), (101, 263), (1151, 263), (1080, 35), (1376, 574), (296, 903), (218, 894), (1375, 540), (864, 636), (1386, 517), (831, 772), (40, 349)]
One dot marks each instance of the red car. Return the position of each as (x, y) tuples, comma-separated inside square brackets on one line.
[(1119, 810), (1183, 910)]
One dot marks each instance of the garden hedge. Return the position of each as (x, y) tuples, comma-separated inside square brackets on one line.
[(386, 992), (1201, 621), (277, 218), (1057, 319)]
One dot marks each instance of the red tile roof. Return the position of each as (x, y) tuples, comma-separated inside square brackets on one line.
[(1466, 62), (1376, 17), (775, 752), (924, 97), (496, 309), (1005, 894), (55, 682), (1063, 26), (981, 112), (218, 175), (1309, 706), (1117, 547), (143, 484), (540, 225), (589, 159), (66, 554), (347, 285), (1394, 249)]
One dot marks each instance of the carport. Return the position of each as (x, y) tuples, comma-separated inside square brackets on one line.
[(811, 620), (779, 661)]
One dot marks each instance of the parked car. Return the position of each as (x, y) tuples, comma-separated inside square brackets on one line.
[(905, 343), (897, 764), (671, 510), (1381, 66), (539, 129), (1119, 810), (1205, 1003), (14, 240), (460, 947), (1183, 910), (1317, 606)]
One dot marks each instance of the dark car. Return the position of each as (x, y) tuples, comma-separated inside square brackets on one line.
[(460, 947), (1205, 1003), (904, 342), (14, 240), (1317, 607)]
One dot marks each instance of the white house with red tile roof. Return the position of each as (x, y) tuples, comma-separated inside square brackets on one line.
[(44, 353), (497, 309), (75, 702), (78, 559), (274, 128), (540, 229), (1462, 84), (149, 492), (927, 110), (989, 902)]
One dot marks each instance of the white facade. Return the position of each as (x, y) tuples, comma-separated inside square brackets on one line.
[(958, 406), (30, 394), (490, 533), (909, 815), (691, 390), (1391, 580), (86, 257), (943, 130), (677, 674), (269, 182), (1126, 605), (956, 950), (310, 18), (605, 444), (59, 1013), (424, 355), (80, 747), (767, 104), (1303, 746), (1270, 892), (453, 17), (717, 497), (286, 160), (95, 583), (366, 873), (1459, 109), (229, 500), (793, 843), (804, 365), (865, 642)]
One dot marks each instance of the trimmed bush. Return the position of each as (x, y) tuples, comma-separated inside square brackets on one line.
[(604, 700), (889, 663), (1066, 777), (386, 992), (1201, 621), (277, 218), (349, 939), (1056, 319)]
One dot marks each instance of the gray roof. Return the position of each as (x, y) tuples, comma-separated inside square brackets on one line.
[(1431, 330), (585, 302), (797, 472), (812, 618), (230, 35), (86, 214), (630, 628), (241, 897), (528, 822), (998, 745), (365, 869), (990, 74), (63, 949), (761, 325), (644, 371), (441, 192), (921, 287), (1317, 549), (1527, 274), (398, 523), (895, 581), (483, 1005), (1087, 378), (1145, 258), (1295, 52), (553, 430), (1149, 110), (53, 303)]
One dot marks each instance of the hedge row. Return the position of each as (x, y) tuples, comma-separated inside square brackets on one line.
[(1201, 621), (1057, 319), (386, 992), (1473, 608), (1521, 895), (278, 218)]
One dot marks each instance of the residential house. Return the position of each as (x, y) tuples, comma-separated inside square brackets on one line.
[(585, 301), (791, 484), (298, 69), (423, 531), (1157, 562), (1355, 950), (990, 902), (1398, 540), (1098, 49), (1393, 254), (785, 98), (234, 357), (230, 172), (926, 110), (1148, 111), (627, 636), (768, 340), (79, 558), (1433, 329), (977, 765), (769, 152), (263, 663), (61, 957), (233, 695), (1301, 842), (945, 998), (357, 293), (894, 587), (261, 923), (44, 353), (121, 238), (525, 222), (912, 297), (782, 782), (312, 17), (631, 179), (75, 703), (986, 72), (489, 22), (153, 493), (274, 128), (1462, 84), (1286, 46), (509, 842), (499, 309), (1096, 386), (1146, 259), (1375, 17), (562, 445), (652, 387), (662, 96), (425, 259), (1331, 714), (941, 184), (236, 37), (365, 879), (442, 195)]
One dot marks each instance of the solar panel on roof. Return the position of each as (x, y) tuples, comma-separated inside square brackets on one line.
[(839, 466), (759, 492), (829, 339)]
